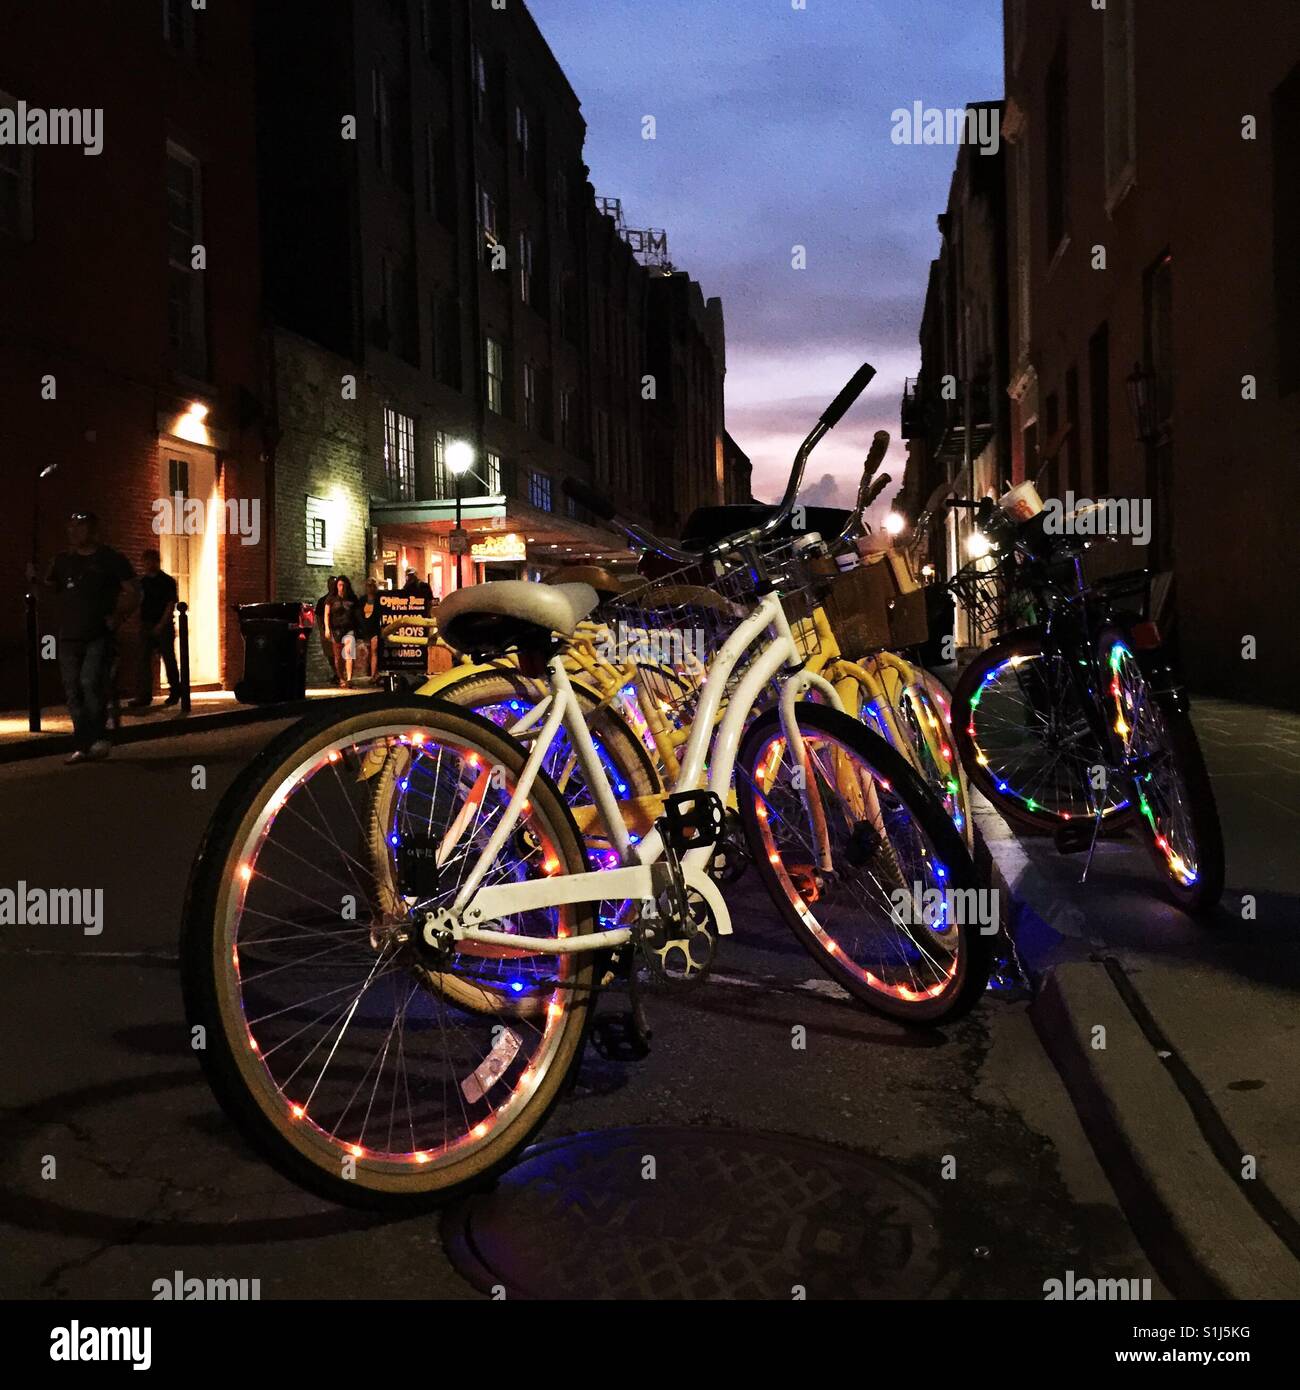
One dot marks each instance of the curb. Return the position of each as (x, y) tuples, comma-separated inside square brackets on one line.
[(55, 745), (1153, 1130)]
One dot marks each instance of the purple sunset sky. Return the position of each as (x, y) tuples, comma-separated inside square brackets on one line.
[(774, 130)]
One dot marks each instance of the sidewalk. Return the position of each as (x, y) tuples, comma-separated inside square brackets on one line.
[(1178, 1040), (211, 709)]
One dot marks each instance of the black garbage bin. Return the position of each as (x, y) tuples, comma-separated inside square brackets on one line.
[(275, 653)]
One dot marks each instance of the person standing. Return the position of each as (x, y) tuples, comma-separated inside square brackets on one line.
[(341, 623), (322, 627), (96, 584), (369, 620), (158, 597)]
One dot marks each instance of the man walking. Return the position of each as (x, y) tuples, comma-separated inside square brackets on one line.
[(98, 593), (158, 596)]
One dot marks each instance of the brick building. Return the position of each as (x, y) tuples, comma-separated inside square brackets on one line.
[(956, 413), (129, 308), (445, 249), (1154, 196)]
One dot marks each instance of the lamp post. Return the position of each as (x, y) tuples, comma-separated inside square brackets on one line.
[(460, 459), (33, 625)]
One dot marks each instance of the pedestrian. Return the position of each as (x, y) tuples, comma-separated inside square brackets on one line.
[(369, 619), (158, 597), (98, 589), (326, 646), (417, 587), (340, 624)]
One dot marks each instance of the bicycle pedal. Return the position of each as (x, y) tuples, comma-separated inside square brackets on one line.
[(692, 820), (621, 1037)]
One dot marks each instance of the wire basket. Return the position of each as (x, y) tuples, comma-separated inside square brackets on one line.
[(992, 598), (674, 627)]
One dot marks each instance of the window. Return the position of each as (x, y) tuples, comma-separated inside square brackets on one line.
[(430, 171), (399, 455), (397, 326), (1118, 99), (1056, 107), (530, 395), (180, 26), (487, 222), (15, 185), (525, 268), (570, 310), (1099, 403), (320, 540), (380, 121), (495, 363), (492, 474), (479, 71), (1286, 228), (438, 480), (186, 323), (539, 490), (523, 143), (568, 434)]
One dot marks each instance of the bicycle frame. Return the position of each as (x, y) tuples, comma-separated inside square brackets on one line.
[(643, 873)]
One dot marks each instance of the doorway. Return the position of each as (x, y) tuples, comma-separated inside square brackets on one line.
[(191, 549)]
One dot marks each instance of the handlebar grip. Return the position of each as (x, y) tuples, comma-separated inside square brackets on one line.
[(970, 503), (875, 490), (876, 454), (589, 498), (837, 409)]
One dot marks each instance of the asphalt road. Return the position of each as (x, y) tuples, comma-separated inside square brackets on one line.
[(121, 1169)]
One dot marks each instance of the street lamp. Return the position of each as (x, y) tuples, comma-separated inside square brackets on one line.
[(895, 524), (460, 459)]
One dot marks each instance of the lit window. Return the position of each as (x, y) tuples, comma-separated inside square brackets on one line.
[(494, 357), (539, 490), (399, 455)]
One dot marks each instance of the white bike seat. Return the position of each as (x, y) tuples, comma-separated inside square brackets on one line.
[(490, 618)]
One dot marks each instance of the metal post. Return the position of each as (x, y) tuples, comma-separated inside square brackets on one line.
[(184, 610), (33, 663), (457, 529)]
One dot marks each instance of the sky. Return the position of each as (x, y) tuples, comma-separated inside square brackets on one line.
[(773, 129)]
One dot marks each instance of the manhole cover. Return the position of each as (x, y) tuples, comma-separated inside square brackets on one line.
[(696, 1213)]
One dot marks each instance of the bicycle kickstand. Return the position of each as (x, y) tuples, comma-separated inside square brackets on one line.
[(1096, 830)]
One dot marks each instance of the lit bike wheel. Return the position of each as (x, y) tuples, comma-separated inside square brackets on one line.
[(865, 866), (1027, 742), (323, 1038), (1178, 817)]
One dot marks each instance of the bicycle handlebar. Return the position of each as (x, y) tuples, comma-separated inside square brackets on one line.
[(831, 416)]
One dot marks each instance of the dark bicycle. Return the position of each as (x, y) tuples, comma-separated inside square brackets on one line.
[(1077, 722)]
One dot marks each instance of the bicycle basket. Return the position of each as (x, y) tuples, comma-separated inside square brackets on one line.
[(993, 600), (673, 628)]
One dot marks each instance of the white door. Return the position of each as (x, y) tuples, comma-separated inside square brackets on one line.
[(191, 549)]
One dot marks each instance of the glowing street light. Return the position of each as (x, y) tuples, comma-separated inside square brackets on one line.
[(895, 524), (460, 459), (977, 545)]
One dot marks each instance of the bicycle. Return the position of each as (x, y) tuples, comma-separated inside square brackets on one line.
[(1077, 722), (332, 1040)]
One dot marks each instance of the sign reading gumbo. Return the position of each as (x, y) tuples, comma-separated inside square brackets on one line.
[(403, 646)]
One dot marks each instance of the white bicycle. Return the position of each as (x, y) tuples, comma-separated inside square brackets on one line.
[(394, 936)]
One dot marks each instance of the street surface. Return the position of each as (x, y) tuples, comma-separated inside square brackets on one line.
[(102, 1091)]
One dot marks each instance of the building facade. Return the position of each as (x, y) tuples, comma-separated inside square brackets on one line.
[(429, 225), (1154, 201), (130, 348), (956, 413)]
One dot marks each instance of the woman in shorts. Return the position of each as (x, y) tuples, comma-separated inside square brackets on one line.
[(341, 624)]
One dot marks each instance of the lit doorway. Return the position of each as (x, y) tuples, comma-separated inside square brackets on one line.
[(191, 550)]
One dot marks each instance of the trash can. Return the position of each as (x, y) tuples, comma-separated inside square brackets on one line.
[(275, 653)]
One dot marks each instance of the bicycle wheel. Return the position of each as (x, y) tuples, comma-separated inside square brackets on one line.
[(324, 1040), (920, 717), (1178, 815), (867, 869), (1027, 742)]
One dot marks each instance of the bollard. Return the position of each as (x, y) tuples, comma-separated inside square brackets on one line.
[(33, 666), (184, 610)]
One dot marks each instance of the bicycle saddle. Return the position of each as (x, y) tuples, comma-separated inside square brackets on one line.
[(605, 582), (489, 619)]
